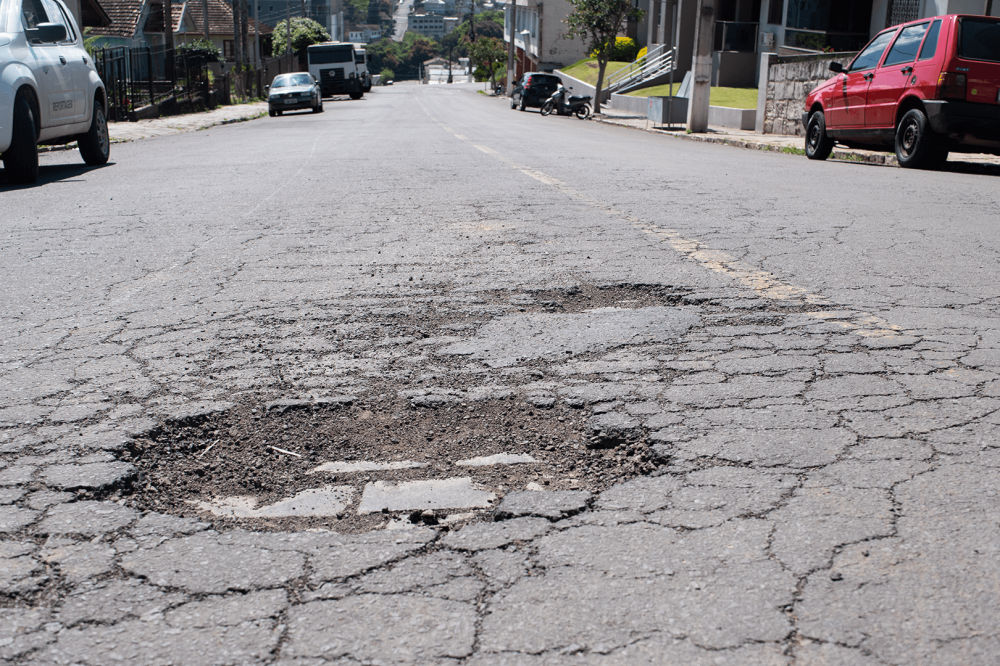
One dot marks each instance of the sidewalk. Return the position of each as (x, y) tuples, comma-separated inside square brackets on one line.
[(187, 122), (970, 163)]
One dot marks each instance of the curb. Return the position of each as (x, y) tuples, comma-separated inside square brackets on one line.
[(845, 155)]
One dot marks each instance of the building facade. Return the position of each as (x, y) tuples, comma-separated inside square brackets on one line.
[(429, 25), (539, 36)]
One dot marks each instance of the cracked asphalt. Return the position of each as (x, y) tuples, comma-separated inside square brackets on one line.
[(760, 397)]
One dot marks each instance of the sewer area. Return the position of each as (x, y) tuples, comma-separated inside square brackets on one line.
[(358, 467)]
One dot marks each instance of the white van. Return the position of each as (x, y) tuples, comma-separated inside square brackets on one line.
[(334, 65), (361, 61)]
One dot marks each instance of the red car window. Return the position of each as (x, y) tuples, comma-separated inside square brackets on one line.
[(979, 39), (868, 59), (929, 48), (906, 45)]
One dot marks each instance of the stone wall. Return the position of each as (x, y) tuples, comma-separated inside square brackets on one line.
[(789, 80)]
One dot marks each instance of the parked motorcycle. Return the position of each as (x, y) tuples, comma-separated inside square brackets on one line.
[(565, 104)]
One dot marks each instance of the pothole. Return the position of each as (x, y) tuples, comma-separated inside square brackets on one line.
[(364, 466)]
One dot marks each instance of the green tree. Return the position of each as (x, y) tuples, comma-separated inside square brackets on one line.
[(488, 53), (305, 31), (599, 22)]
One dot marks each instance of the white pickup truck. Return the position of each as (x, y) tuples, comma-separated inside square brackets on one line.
[(50, 92)]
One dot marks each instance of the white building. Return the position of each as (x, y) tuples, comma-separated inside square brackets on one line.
[(539, 39), (429, 25)]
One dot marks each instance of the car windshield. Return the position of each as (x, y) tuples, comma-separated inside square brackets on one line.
[(293, 80), (869, 58), (979, 39)]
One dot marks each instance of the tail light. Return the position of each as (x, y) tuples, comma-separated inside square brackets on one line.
[(527, 84), (951, 85)]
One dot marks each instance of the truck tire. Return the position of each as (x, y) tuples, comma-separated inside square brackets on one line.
[(95, 145), (20, 160), (354, 95)]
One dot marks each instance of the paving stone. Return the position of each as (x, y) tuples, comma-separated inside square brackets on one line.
[(93, 475), (816, 520), (116, 600), (506, 340), (15, 519), (501, 567), (482, 536), (454, 493), (201, 565), (77, 562), (22, 630), (553, 504), (156, 644), (612, 425), (87, 518), (366, 628), (601, 586), (166, 525), (229, 611), (352, 555), (16, 475), (310, 503), (643, 494), (415, 573), (769, 448)]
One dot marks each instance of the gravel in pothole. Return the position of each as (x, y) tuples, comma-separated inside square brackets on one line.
[(272, 455)]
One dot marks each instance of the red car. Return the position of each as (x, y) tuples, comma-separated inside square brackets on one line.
[(924, 88)]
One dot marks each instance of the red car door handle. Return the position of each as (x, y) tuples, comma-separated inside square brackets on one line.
[(906, 70)]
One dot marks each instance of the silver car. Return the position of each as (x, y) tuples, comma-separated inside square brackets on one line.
[(289, 92)]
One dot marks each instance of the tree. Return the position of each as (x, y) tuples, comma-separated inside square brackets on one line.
[(305, 31), (488, 53), (599, 22)]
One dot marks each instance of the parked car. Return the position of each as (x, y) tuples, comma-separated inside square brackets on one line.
[(289, 92), (532, 89), (923, 88), (50, 92)]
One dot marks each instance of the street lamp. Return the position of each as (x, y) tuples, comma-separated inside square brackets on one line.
[(449, 65)]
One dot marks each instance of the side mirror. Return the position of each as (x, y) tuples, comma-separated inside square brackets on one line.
[(836, 67), (46, 33)]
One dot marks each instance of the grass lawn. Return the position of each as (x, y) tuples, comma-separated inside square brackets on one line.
[(586, 70), (734, 98)]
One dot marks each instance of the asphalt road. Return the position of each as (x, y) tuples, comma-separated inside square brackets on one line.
[(745, 405), (399, 19)]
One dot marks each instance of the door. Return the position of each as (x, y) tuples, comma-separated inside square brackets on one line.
[(847, 108), (77, 62), (49, 66), (893, 77)]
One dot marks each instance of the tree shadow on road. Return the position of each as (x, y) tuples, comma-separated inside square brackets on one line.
[(51, 173)]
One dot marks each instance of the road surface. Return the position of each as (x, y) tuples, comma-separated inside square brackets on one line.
[(425, 379)]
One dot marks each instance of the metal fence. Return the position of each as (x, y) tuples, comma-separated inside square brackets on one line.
[(140, 76)]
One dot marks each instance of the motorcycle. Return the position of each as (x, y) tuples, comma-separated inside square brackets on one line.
[(566, 105)]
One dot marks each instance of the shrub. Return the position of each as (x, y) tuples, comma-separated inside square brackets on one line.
[(624, 50), (386, 75)]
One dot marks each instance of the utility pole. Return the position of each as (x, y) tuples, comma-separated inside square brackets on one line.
[(701, 67), (449, 65), (256, 33), (168, 39), (237, 37), (204, 11), (472, 21), (511, 76)]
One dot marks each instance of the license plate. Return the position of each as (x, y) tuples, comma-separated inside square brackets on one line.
[(291, 101)]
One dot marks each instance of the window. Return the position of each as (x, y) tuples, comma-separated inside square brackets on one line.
[(930, 43), (979, 39), (905, 48), (32, 14), (869, 58), (776, 12), (227, 48), (901, 11)]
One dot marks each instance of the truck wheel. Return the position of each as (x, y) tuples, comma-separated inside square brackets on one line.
[(20, 161), (819, 145), (356, 95), (95, 145), (916, 145)]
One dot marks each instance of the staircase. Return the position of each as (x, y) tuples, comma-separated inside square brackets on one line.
[(658, 61)]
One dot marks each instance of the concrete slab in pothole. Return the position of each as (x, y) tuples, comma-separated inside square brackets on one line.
[(364, 466), (498, 459), (315, 502), (455, 493)]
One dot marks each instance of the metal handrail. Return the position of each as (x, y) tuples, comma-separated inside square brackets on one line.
[(656, 62)]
